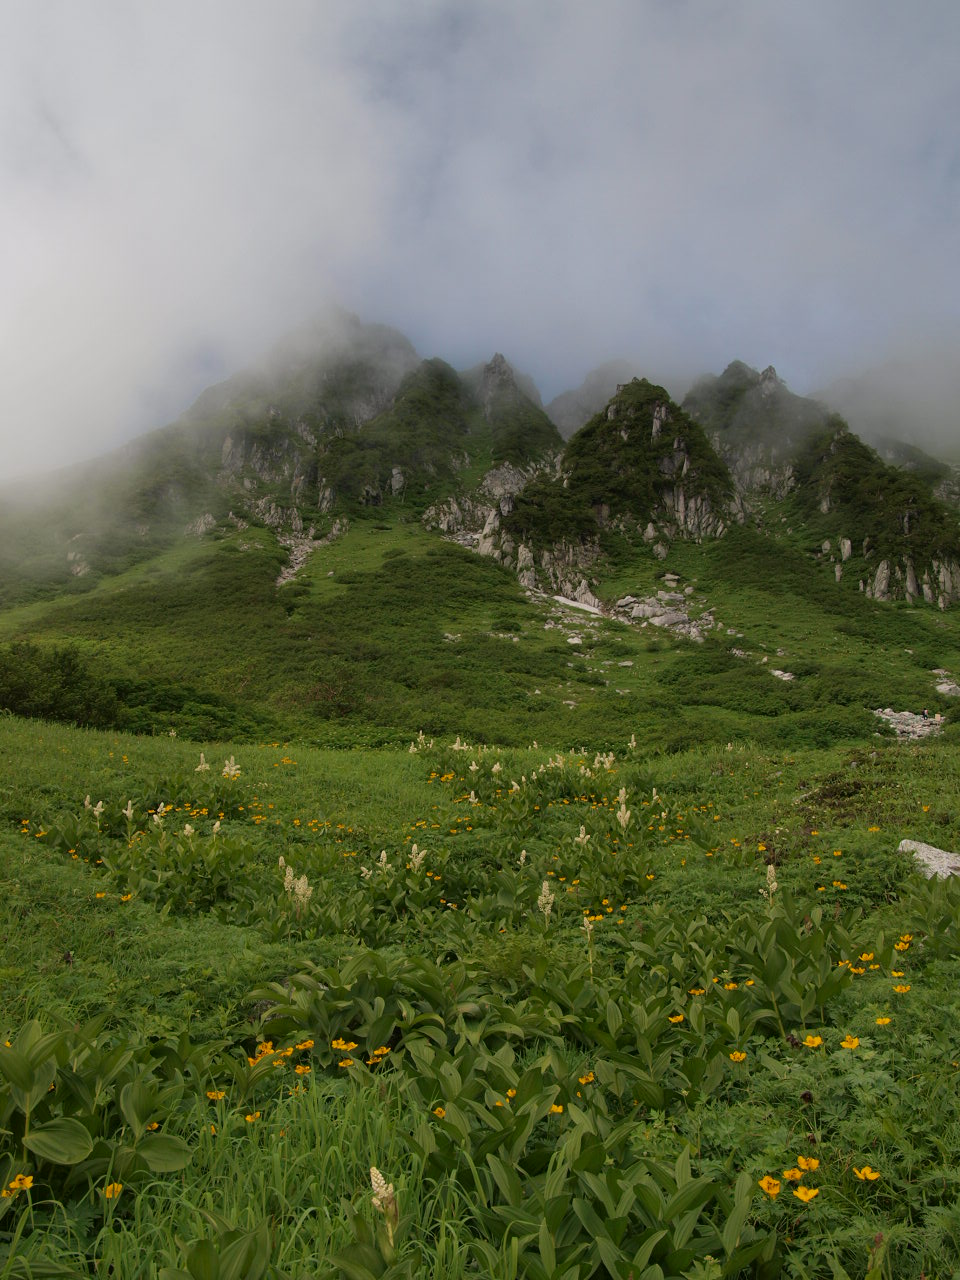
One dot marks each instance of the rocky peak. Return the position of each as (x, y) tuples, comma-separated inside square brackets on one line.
[(769, 382), (498, 382)]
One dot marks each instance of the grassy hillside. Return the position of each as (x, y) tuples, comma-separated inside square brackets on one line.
[(595, 940), (390, 627), (706, 986)]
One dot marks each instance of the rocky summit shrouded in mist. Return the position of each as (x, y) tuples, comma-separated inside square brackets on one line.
[(615, 498)]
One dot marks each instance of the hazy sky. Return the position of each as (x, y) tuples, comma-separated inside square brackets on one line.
[(686, 183)]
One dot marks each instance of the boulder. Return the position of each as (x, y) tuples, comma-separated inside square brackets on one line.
[(930, 860)]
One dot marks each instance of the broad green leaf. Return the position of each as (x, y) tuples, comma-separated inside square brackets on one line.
[(61, 1141), (614, 1017), (137, 1104), (15, 1067), (642, 1256), (164, 1153), (203, 1262), (247, 1257), (354, 1269), (690, 1196), (548, 1251), (507, 1180)]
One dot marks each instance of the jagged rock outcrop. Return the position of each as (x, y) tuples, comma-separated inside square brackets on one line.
[(642, 459), (76, 559), (640, 464), (476, 521), (756, 424), (203, 524), (497, 379)]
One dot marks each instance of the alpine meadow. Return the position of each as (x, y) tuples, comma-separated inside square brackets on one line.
[(449, 835)]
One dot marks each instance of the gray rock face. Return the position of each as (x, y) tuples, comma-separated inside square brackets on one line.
[(946, 685), (879, 589), (498, 380), (931, 861), (203, 524), (912, 587), (908, 725), (76, 559)]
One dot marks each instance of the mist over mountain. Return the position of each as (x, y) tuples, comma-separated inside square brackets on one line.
[(486, 177), (571, 409), (346, 505), (913, 396)]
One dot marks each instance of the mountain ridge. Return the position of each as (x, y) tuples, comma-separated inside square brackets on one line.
[(308, 512)]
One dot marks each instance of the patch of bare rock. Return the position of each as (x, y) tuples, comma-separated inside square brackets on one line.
[(668, 608), (946, 683), (301, 545), (930, 860), (908, 725)]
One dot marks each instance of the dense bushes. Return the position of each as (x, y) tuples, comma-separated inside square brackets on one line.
[(55, 683), (61, 683)]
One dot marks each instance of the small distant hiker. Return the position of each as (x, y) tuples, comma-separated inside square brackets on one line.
[(926, 714)]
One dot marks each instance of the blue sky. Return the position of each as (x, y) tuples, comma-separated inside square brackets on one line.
[(678, 183)]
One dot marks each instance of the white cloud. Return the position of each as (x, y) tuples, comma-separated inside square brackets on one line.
[(680, 182)]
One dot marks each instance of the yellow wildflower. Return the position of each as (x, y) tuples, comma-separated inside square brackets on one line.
[(806, 1194), (769, 1185)]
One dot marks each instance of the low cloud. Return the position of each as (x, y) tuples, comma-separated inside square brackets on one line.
[(679, 184)]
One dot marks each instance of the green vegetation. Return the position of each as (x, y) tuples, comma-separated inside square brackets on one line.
[(615, 466), (746, 409), (585, 1014), (656, 998), (892, 507), (390, 627)]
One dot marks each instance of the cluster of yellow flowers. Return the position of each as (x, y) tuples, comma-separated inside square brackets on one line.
[(805, 1164), (22, 1182)]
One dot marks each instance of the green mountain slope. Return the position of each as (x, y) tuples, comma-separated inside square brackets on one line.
[(284, 561)]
